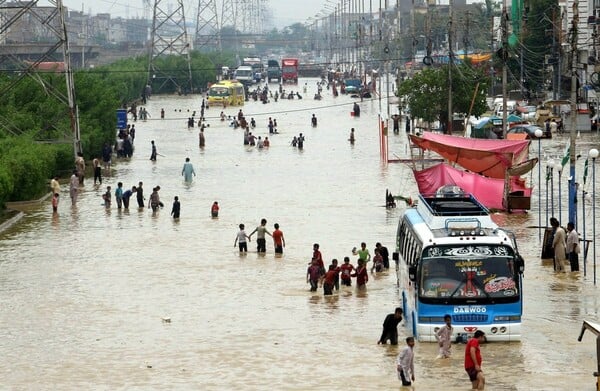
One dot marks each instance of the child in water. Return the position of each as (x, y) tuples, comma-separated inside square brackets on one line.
[(346, 270), (313, 275), (240, 239), (176, 208), (444, 337), (106, 197), (55, 202)]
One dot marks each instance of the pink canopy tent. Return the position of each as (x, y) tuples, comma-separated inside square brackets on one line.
[(488, 191), (491, 158)]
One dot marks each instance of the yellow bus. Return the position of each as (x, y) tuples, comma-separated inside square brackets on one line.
[(226, 93)]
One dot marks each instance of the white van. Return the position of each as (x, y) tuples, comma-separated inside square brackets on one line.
[(244, 75), (511, 106)]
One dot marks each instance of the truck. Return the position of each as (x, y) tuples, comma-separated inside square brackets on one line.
[(273, 71), (289, 72), (257, 67), (245, 75)]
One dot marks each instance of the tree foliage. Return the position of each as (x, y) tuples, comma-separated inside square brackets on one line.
[(426, 93), (35, 126)]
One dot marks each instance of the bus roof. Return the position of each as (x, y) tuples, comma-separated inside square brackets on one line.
[(454, 230), (454, 218), (227, 83)]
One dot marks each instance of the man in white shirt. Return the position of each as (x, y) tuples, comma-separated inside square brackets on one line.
[(405, 363), (573, 247)]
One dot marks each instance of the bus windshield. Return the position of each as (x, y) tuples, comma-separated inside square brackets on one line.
[(289, 69), (462, 274), (218, 91)]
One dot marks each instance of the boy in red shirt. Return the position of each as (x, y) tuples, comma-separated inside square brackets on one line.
[(473, 360), (346, 270), (278, 239), (361, 275), (377, 262), (313, 274), (318, 257), (329, 280)]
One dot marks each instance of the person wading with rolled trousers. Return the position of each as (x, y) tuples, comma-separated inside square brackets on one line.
[(261, 242), (473, 360), (390, 328)]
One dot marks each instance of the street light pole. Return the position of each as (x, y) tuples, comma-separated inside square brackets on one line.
[(584, 196), (573, 131), (551, 167), (539, 134), (594, 154), (547, 179), (559, 169)]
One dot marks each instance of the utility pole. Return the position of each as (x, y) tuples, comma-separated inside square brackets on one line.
[(466, 34), (521, 59), (504, 27), (450, 64), (414, 38), (49, 22), (493, 83), (559, 55), (573, 132), (555, 55)]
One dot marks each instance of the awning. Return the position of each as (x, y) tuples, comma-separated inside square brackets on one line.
[(488, 191), (490, 158)]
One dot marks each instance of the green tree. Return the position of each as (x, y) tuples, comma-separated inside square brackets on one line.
[(426, 93), (536, 39)]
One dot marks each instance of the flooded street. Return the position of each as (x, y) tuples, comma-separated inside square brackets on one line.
[(84, 294)]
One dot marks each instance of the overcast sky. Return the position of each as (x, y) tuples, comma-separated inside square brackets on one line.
[(285, 12)]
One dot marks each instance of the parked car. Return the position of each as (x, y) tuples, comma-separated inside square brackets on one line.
[(527, 130)]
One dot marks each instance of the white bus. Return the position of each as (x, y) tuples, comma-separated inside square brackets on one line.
[(451, 258)]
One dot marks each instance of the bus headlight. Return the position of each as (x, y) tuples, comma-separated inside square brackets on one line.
[(494, 330), (503, 329)]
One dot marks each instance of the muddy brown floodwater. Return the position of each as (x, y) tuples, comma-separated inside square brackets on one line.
[(83, 294)]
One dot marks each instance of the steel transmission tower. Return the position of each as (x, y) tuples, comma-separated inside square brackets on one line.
[(250, 16), (169, 38), (21, 24), (208, 33), (229, 13), (244, 15), (229, 20)]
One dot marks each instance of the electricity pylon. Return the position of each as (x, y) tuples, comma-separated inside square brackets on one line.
[(21, 24), (169, 38), (208, 34)]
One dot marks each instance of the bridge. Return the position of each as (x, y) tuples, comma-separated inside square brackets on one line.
[(37, 51)]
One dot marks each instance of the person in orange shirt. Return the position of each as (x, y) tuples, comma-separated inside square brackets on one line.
[(278, 239)]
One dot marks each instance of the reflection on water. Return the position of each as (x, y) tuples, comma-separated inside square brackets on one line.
[(83, 293)]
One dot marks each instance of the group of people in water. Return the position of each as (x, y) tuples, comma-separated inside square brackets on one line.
[(329, 278)]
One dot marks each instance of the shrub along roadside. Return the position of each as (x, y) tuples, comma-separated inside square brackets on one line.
[(28, 160)]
